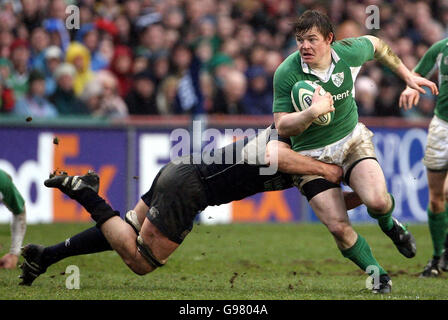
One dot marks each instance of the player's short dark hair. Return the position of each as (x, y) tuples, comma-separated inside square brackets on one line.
[(314, 18)]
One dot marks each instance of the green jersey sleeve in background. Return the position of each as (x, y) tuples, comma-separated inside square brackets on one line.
[(429, 61), (437, 58), (9, 194)]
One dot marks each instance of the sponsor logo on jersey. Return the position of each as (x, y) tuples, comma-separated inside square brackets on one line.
[(338, 78), (341, 96)]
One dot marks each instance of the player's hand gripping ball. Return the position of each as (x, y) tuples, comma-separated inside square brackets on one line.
[(302, 96)]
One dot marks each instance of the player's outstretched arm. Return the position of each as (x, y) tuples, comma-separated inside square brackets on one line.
[(18, 229), (425, 68), (385, 55), (292, 162), (294, 123)]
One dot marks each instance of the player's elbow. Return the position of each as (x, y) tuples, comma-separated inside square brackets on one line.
[(283, 129), (281, 124)]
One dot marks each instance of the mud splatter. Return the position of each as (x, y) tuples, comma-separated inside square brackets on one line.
[(232, 280)]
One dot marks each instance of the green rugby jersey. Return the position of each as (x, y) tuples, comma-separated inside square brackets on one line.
[(437, 57), (9, 194), (348, 55)]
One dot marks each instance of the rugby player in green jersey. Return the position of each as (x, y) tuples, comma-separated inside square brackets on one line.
[(436, 154), (11, 198), (344, 141)]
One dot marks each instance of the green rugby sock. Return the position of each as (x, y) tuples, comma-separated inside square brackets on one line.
[(361, 254), (384, 220), (437, 228)]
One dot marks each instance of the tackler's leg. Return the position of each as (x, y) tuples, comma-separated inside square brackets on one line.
[(120, 235)]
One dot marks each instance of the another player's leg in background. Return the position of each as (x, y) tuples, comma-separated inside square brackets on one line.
[(367, 180), (437, 216), (444, 259), (330, 208)]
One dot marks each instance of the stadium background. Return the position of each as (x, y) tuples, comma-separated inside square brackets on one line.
[(113, 91)]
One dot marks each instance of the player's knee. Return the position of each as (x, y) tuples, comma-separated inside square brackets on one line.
[(138, 267), (339, 229), (142, 270), (436, 204), (379, 203)]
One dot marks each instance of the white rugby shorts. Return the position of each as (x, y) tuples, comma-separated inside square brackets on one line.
[(355, 146), (436, 151)]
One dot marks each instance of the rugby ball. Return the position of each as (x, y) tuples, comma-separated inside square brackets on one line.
[(302, 96)]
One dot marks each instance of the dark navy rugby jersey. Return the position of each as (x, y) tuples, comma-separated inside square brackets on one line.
[(232, 179)]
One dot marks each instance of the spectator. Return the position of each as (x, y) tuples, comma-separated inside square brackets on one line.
[(389, 93), (123, 30), (6, 40), (112, 105), (186, 68), (91, 96), (109, 9), (152, 40), (57, 9), (219, 66), (64, 97), (141, 99), (85, 13), (166, 95), (271, 62), (259, 96), (58, 33), (34, 103), (88, 35), (6, 97), (20, 55), (121, 66), (349, 29), (160, 67), (208, 89), (39, 42), (228, 99), (53, 58), (366, 93), (31, 15), (140, 64), (6, 69), (225, 28), (79, 56)]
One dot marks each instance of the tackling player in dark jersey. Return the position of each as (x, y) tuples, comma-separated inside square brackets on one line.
[(177, 194)]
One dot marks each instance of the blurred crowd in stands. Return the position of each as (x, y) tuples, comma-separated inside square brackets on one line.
[(148, 57)]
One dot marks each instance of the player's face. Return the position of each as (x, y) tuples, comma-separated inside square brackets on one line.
[(313, 46)]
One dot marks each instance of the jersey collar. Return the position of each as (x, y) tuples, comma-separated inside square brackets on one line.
[(335, 59)]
